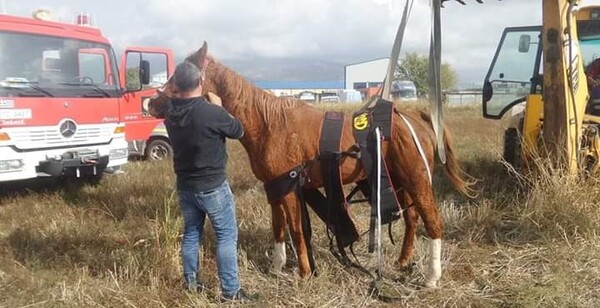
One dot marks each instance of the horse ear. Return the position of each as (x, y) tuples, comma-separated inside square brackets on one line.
[(203, 51), (198, 57)]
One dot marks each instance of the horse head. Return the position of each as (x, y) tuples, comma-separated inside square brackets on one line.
[(158, 104)]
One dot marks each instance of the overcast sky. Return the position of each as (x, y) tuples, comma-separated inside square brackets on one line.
[(336, 32)]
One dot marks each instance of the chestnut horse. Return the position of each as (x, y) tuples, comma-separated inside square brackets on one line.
[(281, 133)]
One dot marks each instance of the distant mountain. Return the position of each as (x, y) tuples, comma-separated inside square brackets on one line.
[(297, 69), (287, 69)]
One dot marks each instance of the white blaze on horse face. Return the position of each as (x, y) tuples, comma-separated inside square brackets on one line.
[(279, 257), (435, 265)]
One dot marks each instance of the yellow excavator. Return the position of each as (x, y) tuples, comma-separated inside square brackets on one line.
[(538, 73)]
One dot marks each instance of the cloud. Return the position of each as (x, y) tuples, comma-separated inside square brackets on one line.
[(336, 31), (265, 28)]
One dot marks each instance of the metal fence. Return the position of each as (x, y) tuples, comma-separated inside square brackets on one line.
[(463, 97)]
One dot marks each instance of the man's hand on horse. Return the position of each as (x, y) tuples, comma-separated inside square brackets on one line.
[(214, 99)]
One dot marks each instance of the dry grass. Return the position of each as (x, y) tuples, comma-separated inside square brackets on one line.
[(520, 244)]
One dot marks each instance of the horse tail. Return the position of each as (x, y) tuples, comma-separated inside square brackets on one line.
[(461, 181)]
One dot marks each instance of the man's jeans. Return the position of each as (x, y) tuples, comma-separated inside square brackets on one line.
[(219, 205)]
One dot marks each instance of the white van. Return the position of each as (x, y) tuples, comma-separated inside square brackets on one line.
[(404, 90)]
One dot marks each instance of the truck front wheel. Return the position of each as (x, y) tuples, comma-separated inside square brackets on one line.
[(158, 149)]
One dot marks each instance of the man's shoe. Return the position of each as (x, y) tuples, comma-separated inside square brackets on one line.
[(240, 296), (197, 287)]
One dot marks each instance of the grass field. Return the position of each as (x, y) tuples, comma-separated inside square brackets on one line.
[(521, 243)]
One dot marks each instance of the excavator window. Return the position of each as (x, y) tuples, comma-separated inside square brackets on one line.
[(512, 74)]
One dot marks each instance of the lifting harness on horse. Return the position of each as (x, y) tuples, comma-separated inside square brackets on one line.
[(332, 208)]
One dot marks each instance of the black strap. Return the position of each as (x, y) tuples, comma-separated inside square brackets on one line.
[(364, 124), (344, 231), (285, 183), (306, 226), (382, 114), (329, 157), (336, 213)]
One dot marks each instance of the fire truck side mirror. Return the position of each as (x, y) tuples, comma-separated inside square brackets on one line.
[(145, 72)]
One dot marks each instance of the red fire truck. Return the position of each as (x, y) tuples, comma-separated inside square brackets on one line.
[(65, 107)]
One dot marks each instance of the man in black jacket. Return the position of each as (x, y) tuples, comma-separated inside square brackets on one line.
[(197, 130)]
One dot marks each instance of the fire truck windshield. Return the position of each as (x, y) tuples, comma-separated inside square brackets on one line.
[(38, 65)]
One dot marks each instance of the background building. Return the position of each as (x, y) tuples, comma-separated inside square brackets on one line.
[(294, 88), (310, 91), (364, 75), (367, 78)]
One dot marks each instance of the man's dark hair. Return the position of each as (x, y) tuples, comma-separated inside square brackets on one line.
[(186, 76)]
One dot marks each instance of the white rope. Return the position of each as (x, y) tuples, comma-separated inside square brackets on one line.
[(419, 147), (379, 251)]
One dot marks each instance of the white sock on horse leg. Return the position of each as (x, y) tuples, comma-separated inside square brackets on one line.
[(435, 265), (279, 257)]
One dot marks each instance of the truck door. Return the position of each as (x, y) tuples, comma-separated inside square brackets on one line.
[(143, 69), (514, 72)]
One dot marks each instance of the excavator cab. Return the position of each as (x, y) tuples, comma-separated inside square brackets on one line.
[(514, 75), (515, 83), (514, 72)]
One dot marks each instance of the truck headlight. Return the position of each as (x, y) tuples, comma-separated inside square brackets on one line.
[(4, 137), (118, 153), (119, 129), (11, 165)]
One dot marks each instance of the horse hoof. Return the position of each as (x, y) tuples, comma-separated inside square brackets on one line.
[(304, 275), (407, 267), (276, 272), (281, 275), (431, 284)]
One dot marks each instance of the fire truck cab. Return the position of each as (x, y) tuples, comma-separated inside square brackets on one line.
[(65, 107)]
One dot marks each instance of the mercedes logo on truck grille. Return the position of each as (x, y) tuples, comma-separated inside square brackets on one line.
[(68, 128)]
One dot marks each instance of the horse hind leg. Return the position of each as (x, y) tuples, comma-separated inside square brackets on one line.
[(418, 189), (278, 224), (411, 220), (426, 208)]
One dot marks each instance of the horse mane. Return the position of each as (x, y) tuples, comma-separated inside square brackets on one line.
[(246, 98)]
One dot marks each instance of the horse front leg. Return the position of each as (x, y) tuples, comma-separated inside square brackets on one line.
[(294, 220), (278, 222)]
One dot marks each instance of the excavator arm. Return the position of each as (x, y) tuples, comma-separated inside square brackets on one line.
[(565, 93)]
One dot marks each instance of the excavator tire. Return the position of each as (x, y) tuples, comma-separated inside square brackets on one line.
[(512, 147)]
